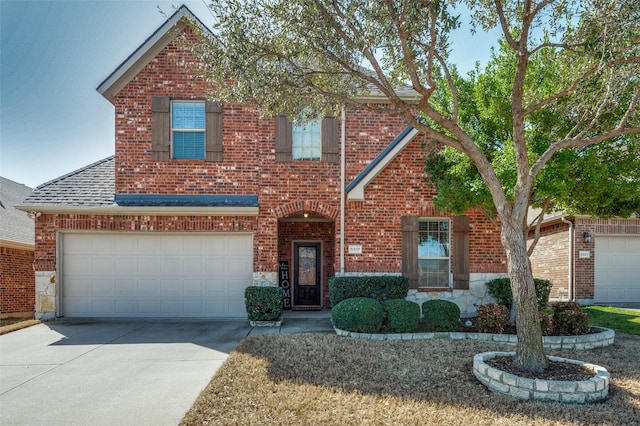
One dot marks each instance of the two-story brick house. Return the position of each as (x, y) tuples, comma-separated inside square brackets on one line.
[(203, 199)]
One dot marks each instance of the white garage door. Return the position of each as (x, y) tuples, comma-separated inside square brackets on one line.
[(617, 269), (155, 275)]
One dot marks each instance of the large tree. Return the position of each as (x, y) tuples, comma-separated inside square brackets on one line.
[(305, 58)]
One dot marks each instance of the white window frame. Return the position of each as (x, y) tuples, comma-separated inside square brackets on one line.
[(296, 130), (188, 130), (448, 250)]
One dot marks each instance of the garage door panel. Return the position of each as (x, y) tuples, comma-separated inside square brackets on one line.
[(617, 269), (155, 275)]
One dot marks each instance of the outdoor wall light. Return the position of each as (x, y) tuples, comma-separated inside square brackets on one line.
[(305, 214), (586, 237)]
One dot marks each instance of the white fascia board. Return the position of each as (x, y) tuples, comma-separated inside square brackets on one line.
[(357, 192)]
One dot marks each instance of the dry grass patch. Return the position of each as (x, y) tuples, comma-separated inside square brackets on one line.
[(296, 379), (7, 325)]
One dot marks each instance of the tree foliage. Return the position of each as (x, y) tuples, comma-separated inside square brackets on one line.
[(548, 117)]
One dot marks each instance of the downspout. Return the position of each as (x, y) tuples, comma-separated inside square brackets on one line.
[(343, 138), (571, 265)]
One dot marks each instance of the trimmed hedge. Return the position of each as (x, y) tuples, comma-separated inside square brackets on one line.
[(359, 314), (263, 303), (381, 288), (403, 316), (500, 288), (441, 315)]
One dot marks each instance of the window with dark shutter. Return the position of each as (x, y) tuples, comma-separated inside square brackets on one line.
[(461, 252), (316, 140), (160, 128)]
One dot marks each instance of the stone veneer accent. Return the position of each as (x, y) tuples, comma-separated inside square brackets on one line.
[(467, 300), (580, 392), (604, 337), (46, 294)]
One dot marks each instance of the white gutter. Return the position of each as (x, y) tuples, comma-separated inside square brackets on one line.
[(571, 263), (343, 138)]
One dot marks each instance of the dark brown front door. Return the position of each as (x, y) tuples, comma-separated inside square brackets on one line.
[(306, 274)]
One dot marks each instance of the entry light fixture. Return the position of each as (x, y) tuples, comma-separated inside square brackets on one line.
[(586, 237), (305, 215)]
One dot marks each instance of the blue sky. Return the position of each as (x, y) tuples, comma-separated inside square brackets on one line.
[(53, 56)]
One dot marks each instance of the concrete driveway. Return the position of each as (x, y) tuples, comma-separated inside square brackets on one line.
[(134, 372)]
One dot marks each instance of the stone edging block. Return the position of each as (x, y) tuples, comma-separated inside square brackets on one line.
[(581, 392), (604, 337)]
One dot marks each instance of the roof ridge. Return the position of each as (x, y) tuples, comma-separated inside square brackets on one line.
[(75, 172)]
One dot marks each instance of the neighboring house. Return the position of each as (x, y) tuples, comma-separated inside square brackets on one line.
[(590, 260), (17, 293), (203, 199)]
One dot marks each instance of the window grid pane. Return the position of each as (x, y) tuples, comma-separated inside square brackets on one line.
[(188, 145), (307, 141), (433, 253), (187, 124), (187, 115)]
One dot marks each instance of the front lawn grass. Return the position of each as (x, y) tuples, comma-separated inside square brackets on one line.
[(619, 319), (324, 379), (7, 325)]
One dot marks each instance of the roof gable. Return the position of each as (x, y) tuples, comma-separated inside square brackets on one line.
[(148, 50), (355, 190)]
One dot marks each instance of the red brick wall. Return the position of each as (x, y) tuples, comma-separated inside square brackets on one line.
[(17, 278), (401, 190), (550, 259)]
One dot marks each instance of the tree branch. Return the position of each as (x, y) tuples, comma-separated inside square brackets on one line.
[(580, 143)]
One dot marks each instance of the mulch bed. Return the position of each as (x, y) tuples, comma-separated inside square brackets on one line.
[(555, 370)]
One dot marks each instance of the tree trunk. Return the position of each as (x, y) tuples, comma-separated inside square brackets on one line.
[(530, 351)]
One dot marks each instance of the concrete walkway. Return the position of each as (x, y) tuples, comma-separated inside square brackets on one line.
[(120, 372)]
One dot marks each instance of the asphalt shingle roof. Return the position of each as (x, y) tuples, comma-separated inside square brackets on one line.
[(93, 185), (15, 225)]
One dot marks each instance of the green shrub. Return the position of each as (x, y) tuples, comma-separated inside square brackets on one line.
[(500, 288), (358, 314), (403, 316), (569, 318), (381, 288), (492, 318), (263, 303), (441, 315)]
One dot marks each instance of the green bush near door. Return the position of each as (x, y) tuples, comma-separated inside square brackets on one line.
[(263, 303)]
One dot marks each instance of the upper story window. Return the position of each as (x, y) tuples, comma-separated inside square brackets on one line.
[(188, 129), (433, 253), (316, 140), (307, 141)]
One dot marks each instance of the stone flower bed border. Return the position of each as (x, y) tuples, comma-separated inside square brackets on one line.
[(580, 392), (604, 337)]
